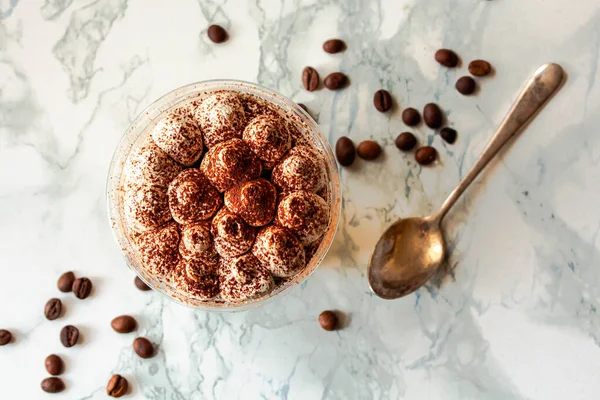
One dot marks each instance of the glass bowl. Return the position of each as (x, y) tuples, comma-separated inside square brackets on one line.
[(138, 132)]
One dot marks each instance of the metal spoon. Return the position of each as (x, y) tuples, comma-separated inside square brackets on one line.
[(412, 249)]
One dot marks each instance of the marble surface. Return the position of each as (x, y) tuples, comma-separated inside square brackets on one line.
[(514, 318)]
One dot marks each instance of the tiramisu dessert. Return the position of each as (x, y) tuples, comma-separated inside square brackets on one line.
[(226, 198)]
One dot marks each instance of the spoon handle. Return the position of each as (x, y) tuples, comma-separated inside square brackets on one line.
[(540, 87)]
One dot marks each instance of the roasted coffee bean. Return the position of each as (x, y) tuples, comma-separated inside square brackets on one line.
[(480, 68), (448, 134), (310, 79), (117, 386), (446, 57), (406, 141), (217, 34), (368, 150), (53, 309), (432, 116), (333, 46), (143, 347), (54, 364), (382, 99), (345, 151), (140, 284), (328, 320), (302, 106), (123, 324), (53, 385), (411, 117), (82, 288), (465, 85), (335, 81), (69, 335), (65, 282), (5, 337), (425, 155)]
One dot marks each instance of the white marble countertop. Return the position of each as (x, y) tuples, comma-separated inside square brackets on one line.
[(515, 319)]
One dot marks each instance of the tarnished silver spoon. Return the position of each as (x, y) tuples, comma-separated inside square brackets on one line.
[(412, 249)]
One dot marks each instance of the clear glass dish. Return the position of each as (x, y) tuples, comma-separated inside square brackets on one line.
[(138, 132)]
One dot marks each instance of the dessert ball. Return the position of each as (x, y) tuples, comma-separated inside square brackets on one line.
[(159, 249), (221, 117), (305, 214), (149, 165), (254, 201), (197, 242), (231, 235), (243, 278), (178, 134), (278, 250), (269, 138), (192, 197), (146, 207), (230, 163), (196, 278), (303, 168)]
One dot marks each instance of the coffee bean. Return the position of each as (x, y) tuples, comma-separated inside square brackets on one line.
[(333, 46), (123, 324), (345, 151), (117, 386), (302, 106), (310, 79), (448, 134), (382, 99), (446, 57), (69, 335), (53, 309), (54, 364), (480, 68), (217, 34), (140, 284), (411, 117), (5, 337), (65, 282), (425, 155), (368, 150), (53, 385), (335, 81), (406, 141), (432, 116), (143, 347), (82, 288), (465, 85), (328, 320)]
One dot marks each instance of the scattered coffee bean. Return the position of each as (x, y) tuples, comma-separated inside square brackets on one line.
[(53, 385), (69, 335), (54, 364), (335, 81), (368, 150), (117, 386), (465, 85), (65, 282), (345, 151), (82, 288), (446, 57), (432, 116), (5, 337), (406, 141), (425, 155), (124, 324), (411, 117), (302, 106), (333, 46), (53, 309), (480, 68), (140, 284), (382, 99), (143, 347), (328, 320), (217, 34), (310, 79), (448, 134)]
